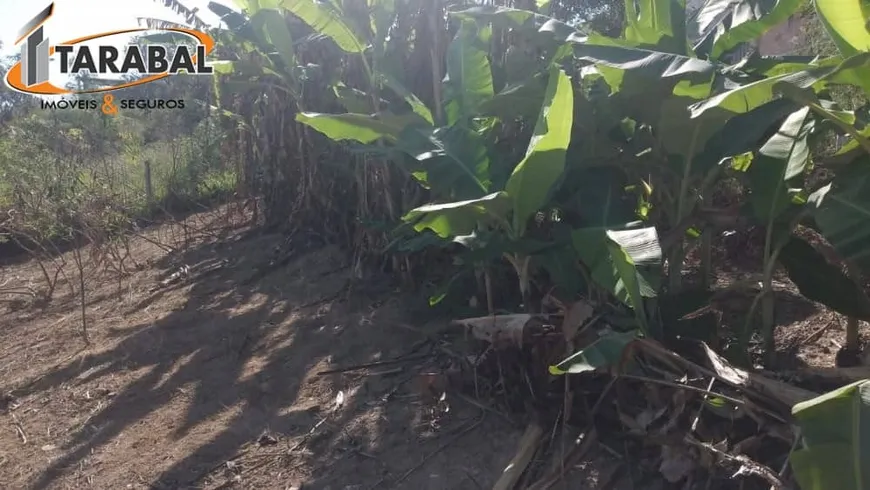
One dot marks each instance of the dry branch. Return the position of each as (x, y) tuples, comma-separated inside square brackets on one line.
[(529, 444)]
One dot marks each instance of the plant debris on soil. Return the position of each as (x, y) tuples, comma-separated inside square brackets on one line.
[(216, 365)]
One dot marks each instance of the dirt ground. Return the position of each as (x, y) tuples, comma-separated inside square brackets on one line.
[(214, 382)]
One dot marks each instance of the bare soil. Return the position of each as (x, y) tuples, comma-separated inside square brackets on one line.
[(213, 382)]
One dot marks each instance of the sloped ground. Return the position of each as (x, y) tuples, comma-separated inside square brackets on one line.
[(213, 382)]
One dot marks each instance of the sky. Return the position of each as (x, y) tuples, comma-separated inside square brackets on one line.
[(77, 18)]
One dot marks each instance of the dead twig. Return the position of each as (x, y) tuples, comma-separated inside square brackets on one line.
[(528, 446), (367, 365), (574, 456), (816, 334), (747, 466), (701, 408), (785, 464), (483, 406), (671, 384), (307, 436), (440, 448), (19, 428), (386, 372), (751, 383)]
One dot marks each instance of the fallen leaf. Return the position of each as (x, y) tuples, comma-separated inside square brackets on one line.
[(498, 328), (724, 370), (785, 394), (577, 315)]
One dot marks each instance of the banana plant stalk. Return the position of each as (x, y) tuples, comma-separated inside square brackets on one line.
[(853, 340), (768, 300), (520, 263), (487, 279), (686, 203)]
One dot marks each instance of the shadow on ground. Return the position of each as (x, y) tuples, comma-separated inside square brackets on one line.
[(222, 389)]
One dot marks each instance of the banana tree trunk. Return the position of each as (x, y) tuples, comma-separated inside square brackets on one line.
[(853, 340)]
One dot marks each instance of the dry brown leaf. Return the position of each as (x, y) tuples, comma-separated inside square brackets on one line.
[(577, 315), (770, 388), (497, 329), (725, 370)]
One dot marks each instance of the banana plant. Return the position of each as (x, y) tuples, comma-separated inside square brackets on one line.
[(451, 156), (264, 48), (780, 198), (844, 215), (699, 126), (654, 59), (525, 192)]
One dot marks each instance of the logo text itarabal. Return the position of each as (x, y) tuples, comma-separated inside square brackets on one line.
[(148, 62)]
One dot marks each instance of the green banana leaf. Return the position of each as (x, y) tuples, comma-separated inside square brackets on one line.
[(327, 19), (620, 261), (847, 23), (274, 32), (416, 104), (604, 352), (835, 429), (843, 213), (353, 100), (748, 20), (469, 74), (228, 16), (531, 182), (517, 101), (253, 6), (818, 280), (455, 160), (844, 120), (459, 218), (783, 157), (750, 96), (639, 68), (362, 128), (656, 24)]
